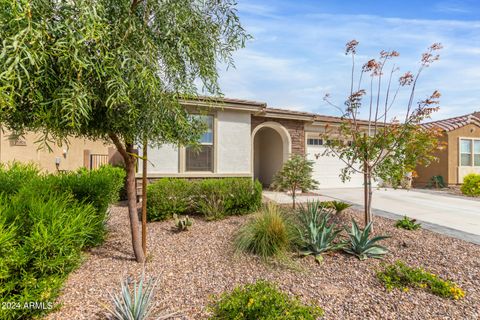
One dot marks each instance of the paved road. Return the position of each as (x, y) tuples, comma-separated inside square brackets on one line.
[(443, 210), (450, 215)]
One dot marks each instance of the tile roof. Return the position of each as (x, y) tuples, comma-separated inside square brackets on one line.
[(454, 123)]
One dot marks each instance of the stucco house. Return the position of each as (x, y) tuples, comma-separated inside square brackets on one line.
[(461, 155), (248, 139), (78, 153)]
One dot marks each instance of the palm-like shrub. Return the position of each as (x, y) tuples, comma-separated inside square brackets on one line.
[(339, 206), (316, 234), (269, 233), (361, 246), (408, 224)]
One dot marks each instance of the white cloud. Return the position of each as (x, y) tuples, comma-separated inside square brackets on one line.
[(295, 59)]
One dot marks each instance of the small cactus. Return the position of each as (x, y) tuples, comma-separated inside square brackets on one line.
[(182, 224)]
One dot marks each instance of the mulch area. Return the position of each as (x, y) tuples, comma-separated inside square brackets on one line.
[(193, 265)]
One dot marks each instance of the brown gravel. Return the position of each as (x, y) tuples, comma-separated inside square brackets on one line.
[(191, 266)]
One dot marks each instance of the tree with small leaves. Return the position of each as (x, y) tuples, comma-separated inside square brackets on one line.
[(295, 174), (380, 146), (113, 70)]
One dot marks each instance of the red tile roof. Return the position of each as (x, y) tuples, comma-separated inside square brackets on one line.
[(454, 123)]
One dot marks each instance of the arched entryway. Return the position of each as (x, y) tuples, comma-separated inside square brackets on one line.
[(271, 148)]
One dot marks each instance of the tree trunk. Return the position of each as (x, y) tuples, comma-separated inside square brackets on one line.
[(144, 198), (127, 154), (367, 192), (293, 198)]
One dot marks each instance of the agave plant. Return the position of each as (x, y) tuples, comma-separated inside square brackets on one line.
[(182, 223), (361, 246), (316, 234), (134, 304)]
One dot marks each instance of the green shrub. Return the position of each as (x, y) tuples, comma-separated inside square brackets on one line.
[(361, 246), (261, 301), (213, 198), (268, 233), (41, 245), (166, 197), (15, 175), (407, 224), (471, 185), (399, 275), (317, 235)]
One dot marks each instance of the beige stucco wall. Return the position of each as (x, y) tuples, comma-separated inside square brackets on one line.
[(74, 157), (436, 168), (232, 150), (468, 131)]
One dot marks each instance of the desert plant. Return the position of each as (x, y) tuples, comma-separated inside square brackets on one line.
[(436, 182), (211, 206), (471, 185), (268, 233), (182, 223), (261, 301), (295, 174), (400, 275), (135, 303), (15, 174), (339, 206), (408, 224), (361, 246), (316, 234)]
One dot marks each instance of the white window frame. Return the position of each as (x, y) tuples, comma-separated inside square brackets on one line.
[(472, 151)]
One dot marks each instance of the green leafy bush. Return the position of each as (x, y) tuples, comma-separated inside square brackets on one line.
[(213, 198), (399, 275), (268, 233), (261, 301), (15, 175), (167, 197), (361, 246), (408, 224), (42, 238), (45, 222), (471, 185), (316, 234)]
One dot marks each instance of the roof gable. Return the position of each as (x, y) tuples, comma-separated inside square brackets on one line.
[(451, 124)]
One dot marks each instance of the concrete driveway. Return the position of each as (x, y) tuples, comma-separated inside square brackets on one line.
[(443, 213)]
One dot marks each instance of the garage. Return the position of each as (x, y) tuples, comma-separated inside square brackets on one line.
[(327, 168)]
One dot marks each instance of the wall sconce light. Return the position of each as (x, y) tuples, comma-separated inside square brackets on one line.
[(57, 162), (65, 151)]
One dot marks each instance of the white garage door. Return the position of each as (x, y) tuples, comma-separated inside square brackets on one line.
[(327, 169)]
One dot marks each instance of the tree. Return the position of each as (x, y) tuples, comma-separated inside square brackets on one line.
[(113, 70), (295, 174), (383, 147)]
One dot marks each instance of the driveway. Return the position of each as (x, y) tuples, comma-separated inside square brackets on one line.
[(442, 211)]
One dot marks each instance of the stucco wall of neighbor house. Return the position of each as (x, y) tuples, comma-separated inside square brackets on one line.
[(468, 131), (233, 142), (26, 150), (296, 129), (436, 168)]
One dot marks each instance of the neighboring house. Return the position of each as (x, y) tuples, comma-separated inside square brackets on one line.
[(78, 153), (461, 155), (249, 139)]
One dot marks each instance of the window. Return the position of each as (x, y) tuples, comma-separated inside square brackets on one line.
[(201, 158), (476, 153), (465, 152), (314, 142)]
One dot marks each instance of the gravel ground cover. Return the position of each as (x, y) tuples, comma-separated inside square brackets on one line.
[(193, 265)]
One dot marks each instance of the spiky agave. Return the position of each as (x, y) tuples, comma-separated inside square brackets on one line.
[(361, 246), (317, 235)]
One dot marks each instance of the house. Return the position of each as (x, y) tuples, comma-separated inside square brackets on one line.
[(78, 153), (461, 156), (248, 139)]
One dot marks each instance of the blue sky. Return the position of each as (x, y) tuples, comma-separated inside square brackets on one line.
[(297, 51)]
